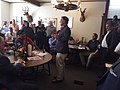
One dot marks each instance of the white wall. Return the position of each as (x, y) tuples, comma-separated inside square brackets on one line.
[(93, 15), (0, 14), (5, 11)]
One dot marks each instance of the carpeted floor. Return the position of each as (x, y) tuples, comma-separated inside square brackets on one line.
[(76, 78)]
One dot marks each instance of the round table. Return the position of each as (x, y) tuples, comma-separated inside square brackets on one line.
[(32, 63), (45, 59)]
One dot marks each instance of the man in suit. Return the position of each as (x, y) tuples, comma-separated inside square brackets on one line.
[(108, 44), (9, 73), (28, 31), (62, 49), (111, 80)]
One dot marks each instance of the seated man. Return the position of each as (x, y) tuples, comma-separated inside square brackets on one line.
[(23, 40), (91, 47), (10, 35), (9, 73), (71, 41)]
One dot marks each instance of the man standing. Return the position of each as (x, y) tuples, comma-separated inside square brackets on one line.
[(28, 31), (109, 42), (110, 80), (116, 22), (15, 26), (62, 49), (50, 29)]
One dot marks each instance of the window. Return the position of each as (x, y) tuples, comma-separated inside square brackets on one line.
[(114, 8)]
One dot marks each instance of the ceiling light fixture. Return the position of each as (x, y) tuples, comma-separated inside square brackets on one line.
[(66, 5)]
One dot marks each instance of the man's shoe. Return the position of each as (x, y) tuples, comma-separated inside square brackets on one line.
[(56, 81)]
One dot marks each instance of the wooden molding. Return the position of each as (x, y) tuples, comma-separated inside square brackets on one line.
[(35, 2), (93, 0)]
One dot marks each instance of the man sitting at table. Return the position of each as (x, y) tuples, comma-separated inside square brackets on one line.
[(91, 47), (71, 41), (10, 35), (9, 73)]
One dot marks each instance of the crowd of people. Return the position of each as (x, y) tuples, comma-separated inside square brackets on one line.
[(56, 43)]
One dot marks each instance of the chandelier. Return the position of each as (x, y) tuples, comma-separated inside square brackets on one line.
[(66, 5)]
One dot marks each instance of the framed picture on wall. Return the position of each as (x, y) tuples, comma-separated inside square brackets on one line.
[(70, 23), (45, 21)]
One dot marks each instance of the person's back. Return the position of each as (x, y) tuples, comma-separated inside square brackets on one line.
[(28, 31)]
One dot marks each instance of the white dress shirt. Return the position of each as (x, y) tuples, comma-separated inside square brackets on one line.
[(104, 42)]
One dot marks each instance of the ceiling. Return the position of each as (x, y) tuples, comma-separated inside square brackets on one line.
[(37, 2), (11, 1)]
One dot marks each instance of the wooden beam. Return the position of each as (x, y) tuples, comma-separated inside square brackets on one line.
[(93, 0), (49, 1), (35, 2)]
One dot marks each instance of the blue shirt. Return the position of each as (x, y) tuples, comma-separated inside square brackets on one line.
[(93, 45)]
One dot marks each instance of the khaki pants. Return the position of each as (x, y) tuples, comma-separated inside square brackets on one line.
[(82, 57), (60, 65)]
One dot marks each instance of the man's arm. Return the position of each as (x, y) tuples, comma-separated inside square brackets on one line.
[(66, 35), (7, 68)]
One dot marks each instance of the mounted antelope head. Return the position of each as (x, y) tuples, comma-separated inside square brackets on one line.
[(82, 18), (29, 17)]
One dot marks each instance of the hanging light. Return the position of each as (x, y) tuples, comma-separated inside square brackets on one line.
[(66, 5)]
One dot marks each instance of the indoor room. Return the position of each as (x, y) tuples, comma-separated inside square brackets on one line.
[(59, 44)]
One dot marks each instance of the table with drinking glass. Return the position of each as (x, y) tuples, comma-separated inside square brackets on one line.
[(37, 59), (74, 51), (78, 47)]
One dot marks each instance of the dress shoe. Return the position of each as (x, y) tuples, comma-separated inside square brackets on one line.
[(55, 77), (56, 81)]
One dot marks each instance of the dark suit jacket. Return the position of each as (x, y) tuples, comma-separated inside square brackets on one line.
[(29, 32), (109, 81), (62, 42), (112, 39), (8, 72)]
